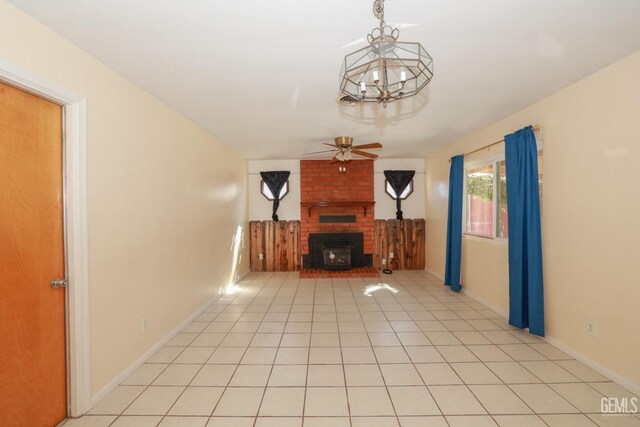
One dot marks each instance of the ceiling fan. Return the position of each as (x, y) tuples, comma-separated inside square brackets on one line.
[(345, 150)]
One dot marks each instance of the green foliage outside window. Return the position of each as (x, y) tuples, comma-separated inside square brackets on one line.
[(480, 183)]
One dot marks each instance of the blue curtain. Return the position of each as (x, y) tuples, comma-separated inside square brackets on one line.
[(526, 299), (454, 224)]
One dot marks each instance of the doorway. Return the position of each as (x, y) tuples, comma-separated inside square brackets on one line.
[(33, 361), (79, 397)]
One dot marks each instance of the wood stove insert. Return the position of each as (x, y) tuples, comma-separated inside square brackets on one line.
[(338, 258), (353, 243)]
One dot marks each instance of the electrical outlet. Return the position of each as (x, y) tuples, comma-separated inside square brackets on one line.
[(260, 256), (591, 328), (384, 261), (144, 324), (390, 254)]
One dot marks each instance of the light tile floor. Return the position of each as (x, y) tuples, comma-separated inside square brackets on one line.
[(288, 352)]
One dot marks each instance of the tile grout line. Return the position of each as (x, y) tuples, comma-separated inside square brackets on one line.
[(167, 367), (393, 406), (418, 290), (411, 360), (306, 377), (277, 348), (204, 364), (344, 372), (469, 388)]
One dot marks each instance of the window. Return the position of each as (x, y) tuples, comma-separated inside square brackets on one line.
[(502, 228), (486, 199), (502, 222), (479, 201), (269, 195), (390, 191)]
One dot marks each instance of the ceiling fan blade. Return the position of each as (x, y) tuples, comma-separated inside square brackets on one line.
[(372, 145), (331, 145), (365, 154), (318, 152)]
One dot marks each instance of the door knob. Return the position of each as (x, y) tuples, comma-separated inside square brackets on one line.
[(59, 283)]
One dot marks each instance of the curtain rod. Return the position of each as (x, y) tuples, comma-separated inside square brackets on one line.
[(536, 128)]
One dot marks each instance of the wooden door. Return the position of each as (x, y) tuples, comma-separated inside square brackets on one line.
[(32, 314)]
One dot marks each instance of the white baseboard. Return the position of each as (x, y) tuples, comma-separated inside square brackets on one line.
[(622, 381), (486, 303), (157, 346), (630, 385), (473, 296), (434, 274)]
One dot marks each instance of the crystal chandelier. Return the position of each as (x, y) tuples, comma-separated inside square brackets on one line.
[(386, 70)]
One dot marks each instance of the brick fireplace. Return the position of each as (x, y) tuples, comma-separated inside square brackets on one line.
[(334, 203)]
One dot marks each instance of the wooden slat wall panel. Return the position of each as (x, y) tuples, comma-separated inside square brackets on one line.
[(280, 244), (256, 246), (393, 241), (381, 246), (419, 244), (269, 246), (405, 239), (293, 245)]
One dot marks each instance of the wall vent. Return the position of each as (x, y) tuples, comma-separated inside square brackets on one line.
[(348, 100), (325, 219)]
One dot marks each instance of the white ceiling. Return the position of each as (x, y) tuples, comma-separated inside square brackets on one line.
[(262, 75)]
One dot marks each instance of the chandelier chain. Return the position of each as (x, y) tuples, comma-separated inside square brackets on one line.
[(378, 11)]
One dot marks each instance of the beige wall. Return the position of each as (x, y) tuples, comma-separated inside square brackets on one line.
[(591, 230), (165, 199)]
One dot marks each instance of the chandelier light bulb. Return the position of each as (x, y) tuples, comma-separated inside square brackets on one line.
[(375, 76)]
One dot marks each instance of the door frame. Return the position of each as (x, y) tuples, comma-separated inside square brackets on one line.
[(76, 251)]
